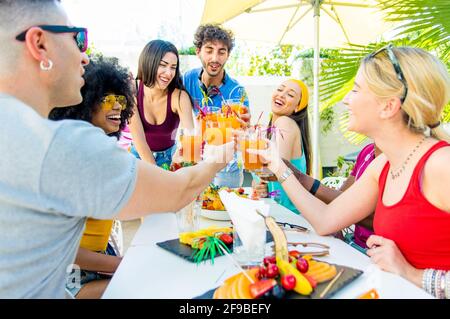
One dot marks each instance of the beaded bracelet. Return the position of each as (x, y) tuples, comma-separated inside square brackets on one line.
[(432, 283), (442, 286), (447, 285), (424, 279), (428, 283), (437, 284)]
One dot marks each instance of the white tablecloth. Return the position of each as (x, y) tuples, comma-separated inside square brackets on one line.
[(148, 271)]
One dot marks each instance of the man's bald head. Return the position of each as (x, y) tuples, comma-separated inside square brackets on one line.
[(18, 15)]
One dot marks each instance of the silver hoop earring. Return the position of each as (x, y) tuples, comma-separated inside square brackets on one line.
[(46, 68)]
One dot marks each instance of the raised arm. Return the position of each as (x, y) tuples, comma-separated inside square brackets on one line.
[(351, 206), (158, 190)]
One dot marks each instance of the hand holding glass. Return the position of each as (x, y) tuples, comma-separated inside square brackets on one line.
[(252, 140)]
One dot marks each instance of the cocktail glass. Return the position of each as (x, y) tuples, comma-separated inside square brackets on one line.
[(252, 139), (191, 143), (217, 133)]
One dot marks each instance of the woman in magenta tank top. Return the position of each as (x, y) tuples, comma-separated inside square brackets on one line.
[(162, 104), (397, 100)]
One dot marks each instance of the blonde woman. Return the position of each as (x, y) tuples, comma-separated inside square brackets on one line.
[(397, 99)]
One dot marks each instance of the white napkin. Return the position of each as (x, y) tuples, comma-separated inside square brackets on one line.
[(249, 225)]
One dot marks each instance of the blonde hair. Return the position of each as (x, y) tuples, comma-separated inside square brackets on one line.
[(428, 86)]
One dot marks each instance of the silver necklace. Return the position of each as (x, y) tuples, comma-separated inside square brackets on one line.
[(395, 174)]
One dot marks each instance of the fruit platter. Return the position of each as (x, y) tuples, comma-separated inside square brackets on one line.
[(302, 278), (189, 243), (196, 239), (286, 274), (212, 206)]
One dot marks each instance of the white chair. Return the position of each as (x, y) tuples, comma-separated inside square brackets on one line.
[(333, 182), (116, 238)]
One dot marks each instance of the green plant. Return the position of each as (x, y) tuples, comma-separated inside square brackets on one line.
[(92, 51), (277, 62), (327, 118), (423, 23), (187, 51), (343, 167)]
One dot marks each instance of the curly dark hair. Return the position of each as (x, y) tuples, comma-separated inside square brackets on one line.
[(103, 76), (213, 32)]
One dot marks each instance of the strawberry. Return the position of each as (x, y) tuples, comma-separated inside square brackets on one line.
[(259, 288), (226, 238)]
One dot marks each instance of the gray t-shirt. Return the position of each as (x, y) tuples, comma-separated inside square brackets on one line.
[(52, 176)]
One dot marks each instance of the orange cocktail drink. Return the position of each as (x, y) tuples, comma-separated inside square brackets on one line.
[(236, 108), (225, 121), (232, 109), (217, 133), (252, 162), (191, 143), (253, 138), (203, 119)]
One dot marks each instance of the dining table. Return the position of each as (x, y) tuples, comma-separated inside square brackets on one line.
[(148, 271)]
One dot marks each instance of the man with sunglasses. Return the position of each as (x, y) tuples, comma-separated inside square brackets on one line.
[(55, 174), (210, 86)]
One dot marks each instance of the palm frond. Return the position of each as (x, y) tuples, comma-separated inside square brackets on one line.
[(430, 17), (351, 137), (422, 23)]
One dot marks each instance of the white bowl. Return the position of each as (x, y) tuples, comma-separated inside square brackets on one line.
[(215, 214)]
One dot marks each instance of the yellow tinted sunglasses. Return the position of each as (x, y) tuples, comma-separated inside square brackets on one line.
[(109, 100)]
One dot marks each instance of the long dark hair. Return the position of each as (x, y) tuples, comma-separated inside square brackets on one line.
[(302, 121), (301, 118), (103, 76), (149, 60)]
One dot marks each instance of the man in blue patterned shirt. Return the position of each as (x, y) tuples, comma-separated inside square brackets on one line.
[(210, 86)]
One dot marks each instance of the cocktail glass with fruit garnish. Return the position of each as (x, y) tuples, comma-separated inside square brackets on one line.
[(191, 143), (234, 108), (253, 138), (217, 133)]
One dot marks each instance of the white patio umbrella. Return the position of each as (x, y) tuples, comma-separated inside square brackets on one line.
[(292, 22)]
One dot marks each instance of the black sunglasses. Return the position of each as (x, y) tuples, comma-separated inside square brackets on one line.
[(396, 64), (81, 34)]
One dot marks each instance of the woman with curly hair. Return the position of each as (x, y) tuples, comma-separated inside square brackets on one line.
[(107, 104), (162, 104)]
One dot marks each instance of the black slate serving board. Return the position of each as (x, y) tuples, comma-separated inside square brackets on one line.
[(349, 275), (185, 251)]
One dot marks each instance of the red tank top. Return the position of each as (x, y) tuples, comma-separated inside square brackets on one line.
[(420, 229), (159, 137)]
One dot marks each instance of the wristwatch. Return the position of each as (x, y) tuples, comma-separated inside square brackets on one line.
[(288, 172)]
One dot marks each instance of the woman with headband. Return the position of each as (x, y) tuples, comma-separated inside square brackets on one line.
[(290, 122)]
